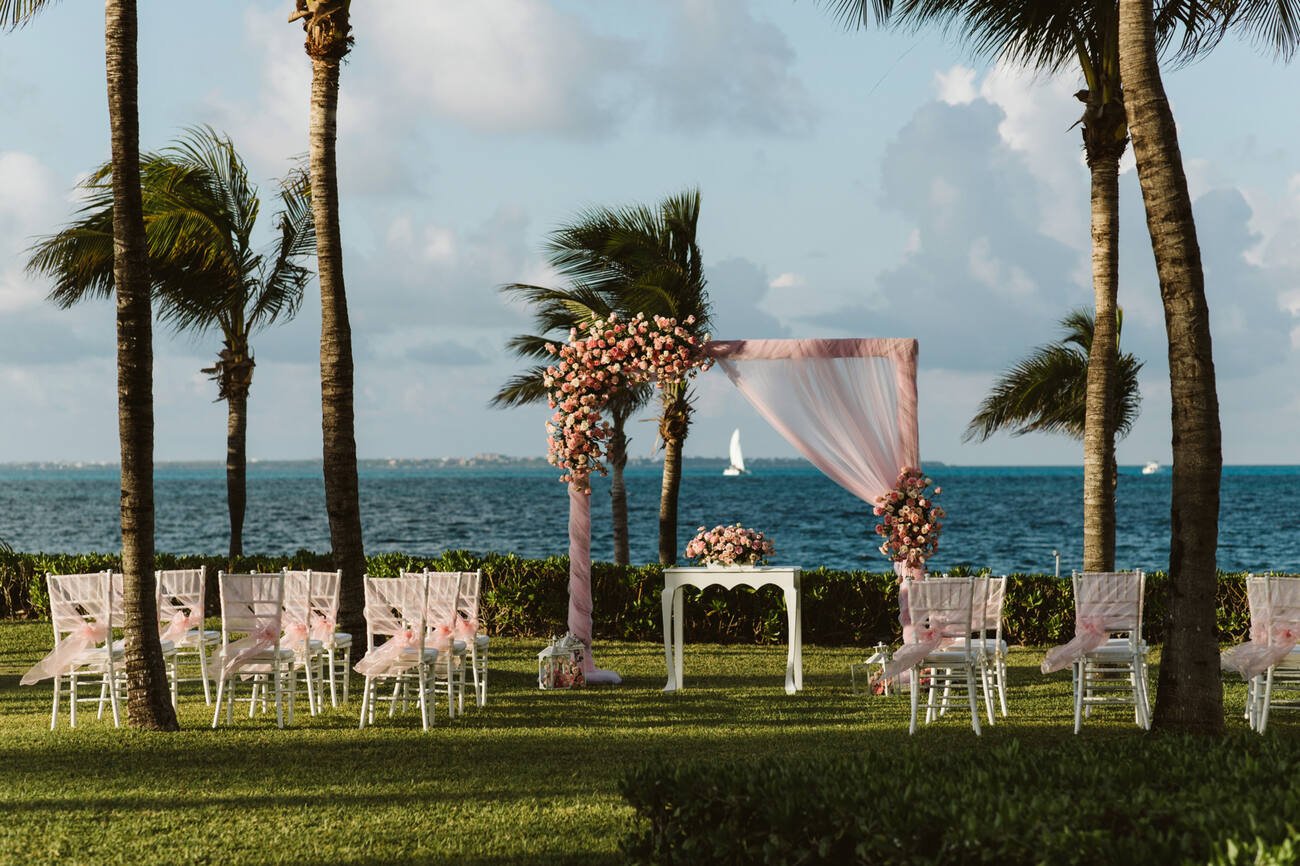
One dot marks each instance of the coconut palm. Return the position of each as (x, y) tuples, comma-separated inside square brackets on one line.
[(329, 38), (1047, 391), (1053, 36), (558, 311), (200, 211), (148, 699), (646, 260)]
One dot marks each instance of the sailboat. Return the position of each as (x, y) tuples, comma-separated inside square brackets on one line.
[(737, 466), (1151, 468)]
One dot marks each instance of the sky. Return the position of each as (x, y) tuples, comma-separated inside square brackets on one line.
[(854, 183)]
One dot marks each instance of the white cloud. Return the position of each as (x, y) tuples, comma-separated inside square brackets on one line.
[(30, 205), (956, 86), (787, 280)]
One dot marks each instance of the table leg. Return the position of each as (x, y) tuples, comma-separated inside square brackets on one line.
[(791, 655), (798, 641), (679, 633), (667, 601)]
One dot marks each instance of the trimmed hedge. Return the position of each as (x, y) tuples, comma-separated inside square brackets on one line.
[(1142, 799), (529, 597)]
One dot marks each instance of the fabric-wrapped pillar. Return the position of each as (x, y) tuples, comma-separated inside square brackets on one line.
[(580, 603)]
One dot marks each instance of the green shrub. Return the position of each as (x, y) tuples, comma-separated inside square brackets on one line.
[(1137, 799), (529, 597)]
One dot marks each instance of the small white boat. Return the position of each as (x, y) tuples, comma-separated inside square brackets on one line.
[(737, 466), (1151, 468)]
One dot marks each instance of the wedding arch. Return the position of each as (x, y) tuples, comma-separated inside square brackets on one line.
[(848, 405)]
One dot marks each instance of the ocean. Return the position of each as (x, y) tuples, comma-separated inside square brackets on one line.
[(1010, 519)]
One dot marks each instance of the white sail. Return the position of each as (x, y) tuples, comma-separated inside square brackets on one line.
[(737, 457)]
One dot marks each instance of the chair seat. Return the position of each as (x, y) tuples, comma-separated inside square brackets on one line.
[(977, 644), (1116, 649), (339, 640), (480, 641), (947, 656), (194, 638)]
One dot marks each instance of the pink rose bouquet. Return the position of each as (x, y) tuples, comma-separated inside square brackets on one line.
[(729, 545), (910, 519)]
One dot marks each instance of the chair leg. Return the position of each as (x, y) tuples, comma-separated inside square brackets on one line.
[(221, 688), (916, 696), (330, 661), (984, 687), (422, 676), (1268, 701), (1080, 671), (347, 671), (72, 699), (203, 670), (974, 699), (1001, 669), (54, 713)]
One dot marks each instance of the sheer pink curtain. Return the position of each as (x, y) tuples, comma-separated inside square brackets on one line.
[(849, 406), (580, 605)]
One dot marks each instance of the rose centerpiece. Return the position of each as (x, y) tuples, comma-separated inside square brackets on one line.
[(910, 521), (729, 545)]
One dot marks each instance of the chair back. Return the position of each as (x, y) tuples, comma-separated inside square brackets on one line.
[(942, 606), (324, 603), (1257, 602), (251, 604), (297, 608), (76, 599), (181, 593), (1283, 604), (395, 604), (444, 595), (471, 583), (995, 598), (1113, 599)]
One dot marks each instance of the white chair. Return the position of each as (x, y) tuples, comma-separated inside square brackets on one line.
[(941, 647), (81, 610), (988, 640), (1283, 617), (1115, 672), (252, 606), (467, 630), (441, 620), (182, 597), (309, 653), (337, 645), (396, 650)]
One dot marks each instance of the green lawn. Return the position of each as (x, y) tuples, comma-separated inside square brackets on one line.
[(532, 778)]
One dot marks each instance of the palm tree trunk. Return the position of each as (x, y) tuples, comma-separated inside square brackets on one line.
[(342, 499), (1100, 405), (236, 468), (617, 489), (148, 697), (1189, 697), (673, 426)]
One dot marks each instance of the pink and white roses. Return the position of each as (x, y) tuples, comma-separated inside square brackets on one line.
[(605, 356), (729, 545), (910, 519)]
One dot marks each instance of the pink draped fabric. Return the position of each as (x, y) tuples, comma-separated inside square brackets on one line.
[(179, 626), (927, 639), (386, 660), (64, 656), (849, 406), (1261, 652), (261, 641), (322, 628), (1089, 633), (580, 605)]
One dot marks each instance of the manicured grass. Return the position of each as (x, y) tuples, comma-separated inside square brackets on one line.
[(531, 778)]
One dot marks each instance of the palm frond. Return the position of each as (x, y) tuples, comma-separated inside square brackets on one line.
[(522, 389), (280, 292), (16, 13)]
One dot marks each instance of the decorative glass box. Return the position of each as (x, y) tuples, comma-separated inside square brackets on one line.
[(868, 676), (560, 665)]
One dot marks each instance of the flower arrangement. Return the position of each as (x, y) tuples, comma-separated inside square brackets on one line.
[(729, 545), (910, 520), (598, 360)]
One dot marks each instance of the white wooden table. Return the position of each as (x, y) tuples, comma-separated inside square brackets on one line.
[(785, 577)]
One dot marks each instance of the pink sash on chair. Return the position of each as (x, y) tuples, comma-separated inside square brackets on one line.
[(180, 625), (384, 659), (82, 638), (248, 647), (1089, 633), (322, 629), (1252, 658), (928, 639)]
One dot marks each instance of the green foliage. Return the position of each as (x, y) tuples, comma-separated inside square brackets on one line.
[(1142, 799), (529, 597)]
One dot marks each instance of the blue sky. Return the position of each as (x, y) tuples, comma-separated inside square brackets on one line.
[(854, 184)]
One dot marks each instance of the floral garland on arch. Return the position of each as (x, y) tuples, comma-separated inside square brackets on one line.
[(910, 520), (598, 360)]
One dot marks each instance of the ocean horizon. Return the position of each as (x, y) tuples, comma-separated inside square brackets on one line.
[(1007, 518)]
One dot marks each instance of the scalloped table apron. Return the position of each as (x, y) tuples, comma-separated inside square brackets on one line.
[(785, 577)]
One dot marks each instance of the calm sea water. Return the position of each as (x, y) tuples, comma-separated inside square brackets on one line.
[(1007, 518)]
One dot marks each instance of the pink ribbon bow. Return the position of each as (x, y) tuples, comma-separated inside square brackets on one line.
[(181, 623), (465, 628), (443, 636), (1252, 658), (248, 647), (322, 628), (1089, 633), (387, 659), (295, 636), (928, 639), (64, 656)]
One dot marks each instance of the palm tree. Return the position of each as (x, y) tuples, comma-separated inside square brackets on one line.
[(148, 698), (329, 38), (1047, 391), (1053, 35), (200, 211), (646, 260), (1189, 695), (557, 311)]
